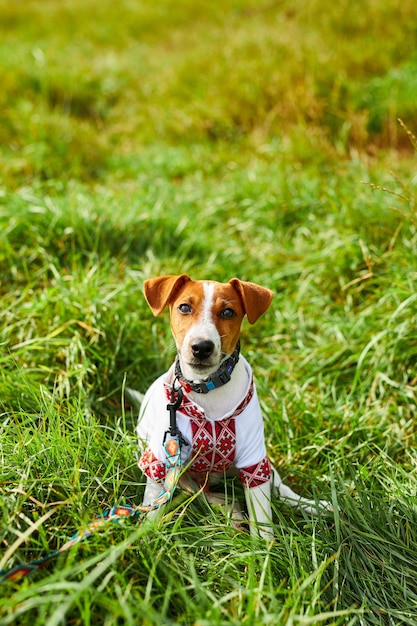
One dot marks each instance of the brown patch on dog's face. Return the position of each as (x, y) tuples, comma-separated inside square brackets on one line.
[(186, 309), (206, 311), (228, 313)]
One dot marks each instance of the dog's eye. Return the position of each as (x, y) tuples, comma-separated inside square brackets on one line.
[(184, 309), (228, 314)]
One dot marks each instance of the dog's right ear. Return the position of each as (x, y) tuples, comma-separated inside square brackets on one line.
[(160, 291)]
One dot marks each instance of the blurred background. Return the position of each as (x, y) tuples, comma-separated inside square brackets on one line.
[(90, 87)]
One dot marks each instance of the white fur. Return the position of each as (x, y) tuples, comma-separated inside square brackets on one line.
[(203, 329)]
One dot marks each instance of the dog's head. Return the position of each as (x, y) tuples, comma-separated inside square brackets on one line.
[(206, 316)]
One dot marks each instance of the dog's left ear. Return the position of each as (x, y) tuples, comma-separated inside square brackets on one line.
[(256, 299), (160, 291)]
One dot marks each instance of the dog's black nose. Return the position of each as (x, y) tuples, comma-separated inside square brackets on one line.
[(203, 349)]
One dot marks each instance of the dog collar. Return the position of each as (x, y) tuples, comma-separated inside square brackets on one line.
[(219, 378)]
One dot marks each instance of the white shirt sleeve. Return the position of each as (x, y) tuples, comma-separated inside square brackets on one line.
[(153, 419), (250, 442)]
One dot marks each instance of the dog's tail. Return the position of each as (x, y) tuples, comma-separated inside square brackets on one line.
[(287, 495)]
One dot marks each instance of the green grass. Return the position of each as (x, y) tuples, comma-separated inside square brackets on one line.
[(257, 140)]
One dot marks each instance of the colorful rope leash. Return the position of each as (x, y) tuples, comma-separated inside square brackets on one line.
[(116, 513)]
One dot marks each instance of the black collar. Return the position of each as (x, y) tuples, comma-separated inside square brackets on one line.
[(219, 378)]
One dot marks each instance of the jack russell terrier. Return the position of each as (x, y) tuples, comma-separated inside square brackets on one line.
[(220, 417)]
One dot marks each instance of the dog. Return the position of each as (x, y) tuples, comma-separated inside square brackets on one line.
[(220, 417)]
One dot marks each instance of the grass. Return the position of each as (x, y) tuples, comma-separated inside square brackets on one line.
[(259, 140)]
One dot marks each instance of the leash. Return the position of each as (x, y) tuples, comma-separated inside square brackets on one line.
[(115, 514)]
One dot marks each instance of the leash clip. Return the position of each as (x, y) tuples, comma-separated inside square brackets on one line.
[(173, 407)]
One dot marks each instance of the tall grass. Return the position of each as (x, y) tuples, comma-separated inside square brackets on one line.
[(85, 84), (257, 140)]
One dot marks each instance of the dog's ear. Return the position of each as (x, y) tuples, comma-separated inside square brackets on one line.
[(256, 299), (160, 291)]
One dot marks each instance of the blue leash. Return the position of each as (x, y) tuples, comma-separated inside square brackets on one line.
[(116, 513)]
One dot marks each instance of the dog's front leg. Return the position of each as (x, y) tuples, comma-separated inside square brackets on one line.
[(258, 501)]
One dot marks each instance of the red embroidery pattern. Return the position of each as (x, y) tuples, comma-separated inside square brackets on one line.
[(150, 466), (242, 406), (192, 410), (256, 475), (213, 445)]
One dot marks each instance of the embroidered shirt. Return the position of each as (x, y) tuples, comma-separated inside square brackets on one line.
[(235, 439)]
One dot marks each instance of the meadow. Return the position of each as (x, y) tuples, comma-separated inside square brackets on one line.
[(273, 141)]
